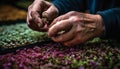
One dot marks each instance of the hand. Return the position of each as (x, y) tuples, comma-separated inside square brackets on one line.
[(74, 28), (40, 13)]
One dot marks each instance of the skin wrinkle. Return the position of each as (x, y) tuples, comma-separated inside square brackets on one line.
[(69, 29), (38, 7), (67, 34), (83, 31)]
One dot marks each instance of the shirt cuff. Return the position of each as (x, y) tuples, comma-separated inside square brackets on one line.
[(110, 22)]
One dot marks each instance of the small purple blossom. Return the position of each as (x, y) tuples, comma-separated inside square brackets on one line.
[(52, 55)]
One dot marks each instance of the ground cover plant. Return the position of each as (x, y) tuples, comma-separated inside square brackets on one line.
[(56, 56), (18, 35), (94, 54)]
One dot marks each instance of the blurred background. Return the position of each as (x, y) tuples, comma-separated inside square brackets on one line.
[(13, 10), (14, 31)]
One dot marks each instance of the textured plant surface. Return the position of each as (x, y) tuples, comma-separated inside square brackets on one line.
[(19, 35), (95, 54), (56, 56)]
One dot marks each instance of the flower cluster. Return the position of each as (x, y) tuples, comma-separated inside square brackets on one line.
[(56, 56)]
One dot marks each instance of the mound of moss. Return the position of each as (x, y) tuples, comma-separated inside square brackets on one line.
[(18, 35)]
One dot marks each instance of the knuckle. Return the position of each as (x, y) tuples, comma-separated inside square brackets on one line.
[(75, 19), (72, 12), (42, 1), (57, 19)]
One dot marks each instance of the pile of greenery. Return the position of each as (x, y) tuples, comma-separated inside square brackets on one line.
[(18, 35), (95, 54)]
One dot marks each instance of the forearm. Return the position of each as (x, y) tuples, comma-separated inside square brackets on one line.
[(111, 20), (65, 6)]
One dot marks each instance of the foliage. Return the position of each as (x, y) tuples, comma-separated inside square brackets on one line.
[(19, 35)]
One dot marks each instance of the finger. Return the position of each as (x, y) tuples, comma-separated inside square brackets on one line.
[(36, 17), (79, 39), (37, 6), (29, 18), (65, 16), (51, 13), (64, 37), (63, 25), (30, 22), (34, 26), (60, 18), (74, 41), (44, 29)]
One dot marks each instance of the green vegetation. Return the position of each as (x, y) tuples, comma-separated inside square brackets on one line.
[(95, 54), (18, 35)]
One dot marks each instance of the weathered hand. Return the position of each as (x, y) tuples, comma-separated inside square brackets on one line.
[(75, 28), (40, 12)]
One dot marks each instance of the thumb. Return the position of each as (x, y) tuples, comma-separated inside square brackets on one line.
[(60, 27), (51, 13)]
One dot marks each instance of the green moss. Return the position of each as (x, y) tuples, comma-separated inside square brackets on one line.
[(18, 35)]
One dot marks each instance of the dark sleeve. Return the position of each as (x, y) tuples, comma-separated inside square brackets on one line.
[(65, 6), (111, 19)]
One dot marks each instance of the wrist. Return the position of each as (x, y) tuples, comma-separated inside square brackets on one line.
[(100, 25)]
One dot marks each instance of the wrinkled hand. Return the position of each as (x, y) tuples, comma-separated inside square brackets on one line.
[(40, 12), (75, 28)]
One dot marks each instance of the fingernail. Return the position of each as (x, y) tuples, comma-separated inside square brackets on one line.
[(61, 32)]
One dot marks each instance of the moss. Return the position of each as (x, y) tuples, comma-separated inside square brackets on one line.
[(18, 35)]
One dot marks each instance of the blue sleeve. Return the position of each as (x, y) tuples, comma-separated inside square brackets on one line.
[(111, 19), (65, 6)]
